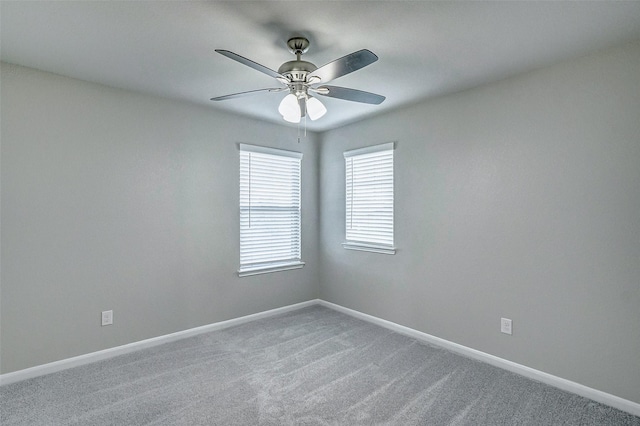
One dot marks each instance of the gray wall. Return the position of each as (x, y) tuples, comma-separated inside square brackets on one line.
[(115, 200), (520, 199)]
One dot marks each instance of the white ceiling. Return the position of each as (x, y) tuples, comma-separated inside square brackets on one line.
[(426, 48)]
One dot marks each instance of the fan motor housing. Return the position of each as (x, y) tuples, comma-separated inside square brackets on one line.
[(297, 70)]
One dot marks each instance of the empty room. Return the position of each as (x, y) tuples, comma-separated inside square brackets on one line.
[(319, 213)]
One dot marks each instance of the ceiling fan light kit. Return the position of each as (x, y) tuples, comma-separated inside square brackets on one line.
[(301, 77), (290, 108), (315, 108)]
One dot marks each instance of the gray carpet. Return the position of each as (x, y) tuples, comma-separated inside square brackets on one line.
[(313, 366)]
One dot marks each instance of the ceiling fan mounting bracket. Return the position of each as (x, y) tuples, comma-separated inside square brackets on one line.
[(298, 45)]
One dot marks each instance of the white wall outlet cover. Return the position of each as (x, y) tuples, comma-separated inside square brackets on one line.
[(107, 317), (505, 325)]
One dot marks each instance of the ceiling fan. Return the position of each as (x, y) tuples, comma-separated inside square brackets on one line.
[(302, 78)]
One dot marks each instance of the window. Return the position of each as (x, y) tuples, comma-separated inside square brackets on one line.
[(269, 210), (369, 196)]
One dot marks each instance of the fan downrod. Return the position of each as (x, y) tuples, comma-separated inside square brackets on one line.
[(296, 70)]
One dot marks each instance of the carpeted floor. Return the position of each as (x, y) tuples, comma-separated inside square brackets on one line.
[(314, 366)]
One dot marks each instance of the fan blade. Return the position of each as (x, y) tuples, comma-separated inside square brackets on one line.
[(349, 94), (250, 92), (345, 65), (250, 63)]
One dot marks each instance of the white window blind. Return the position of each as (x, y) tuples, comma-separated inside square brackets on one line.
[(369, 199), (269, 210)]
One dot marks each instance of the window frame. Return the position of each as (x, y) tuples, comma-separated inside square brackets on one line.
[(255, 268), (369, 245)]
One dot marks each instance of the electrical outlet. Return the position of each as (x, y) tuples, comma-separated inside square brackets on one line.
[(107, 317), (505, 326)]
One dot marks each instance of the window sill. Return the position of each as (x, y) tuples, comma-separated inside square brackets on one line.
[(373, 248), (267, 269)]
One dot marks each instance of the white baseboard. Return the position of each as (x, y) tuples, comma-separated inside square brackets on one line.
[(76, 361), (540, 376), (549, 379)]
